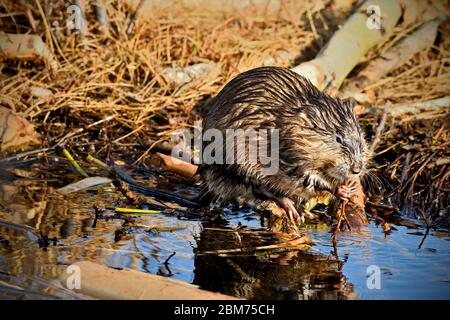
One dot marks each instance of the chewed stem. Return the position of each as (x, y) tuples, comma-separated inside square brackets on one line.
[(342, 217)]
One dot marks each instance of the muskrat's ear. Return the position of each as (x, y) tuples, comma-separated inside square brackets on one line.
[(350, 103)]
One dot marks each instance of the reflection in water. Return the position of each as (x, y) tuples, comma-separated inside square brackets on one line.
[(290, 274), (41, 233), (38, 230)]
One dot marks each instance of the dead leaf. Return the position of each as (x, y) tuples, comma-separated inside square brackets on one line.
[(87, 183), (355, 209), (16, 133), (277, 220)]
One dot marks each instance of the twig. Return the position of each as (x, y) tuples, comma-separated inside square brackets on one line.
[(96, 161), (134, 17), (131, 197), (424, 237), (380, 129), (133, 210), (100, 13), (167, 260), (291, 17), (302, 242), (77, 131), (47, 27), (74, 163), (338, 226), (435, 105), (311, 22), (405, 167), (24, 154)]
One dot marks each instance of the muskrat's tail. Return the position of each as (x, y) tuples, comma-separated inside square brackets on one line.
[(195, 202)]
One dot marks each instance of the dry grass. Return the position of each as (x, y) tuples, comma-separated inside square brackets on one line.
[(116, 74)]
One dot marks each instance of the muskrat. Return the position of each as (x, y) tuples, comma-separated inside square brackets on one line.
[(321, 145)]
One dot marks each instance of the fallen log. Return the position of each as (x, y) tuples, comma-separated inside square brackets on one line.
[(349, 44), (398, 55), (417, 110), (102, 282)]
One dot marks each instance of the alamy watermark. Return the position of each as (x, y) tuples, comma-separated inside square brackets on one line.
[(232, 146), (373, 277), (76, 20), (73, 280), (374, 17)]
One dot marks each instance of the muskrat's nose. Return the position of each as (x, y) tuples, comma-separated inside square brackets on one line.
[(356, 169)]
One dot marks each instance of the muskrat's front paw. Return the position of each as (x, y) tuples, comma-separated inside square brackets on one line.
[(347, 190), (343, 193)]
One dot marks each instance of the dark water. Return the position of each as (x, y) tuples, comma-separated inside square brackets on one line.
[(41, 233)]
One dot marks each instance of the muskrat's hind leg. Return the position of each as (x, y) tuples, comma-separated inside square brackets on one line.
[(284, 202)]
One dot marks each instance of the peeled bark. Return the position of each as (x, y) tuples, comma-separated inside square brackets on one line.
[(395, 57), (415, 11), (349, 44), (437, 107), (417, 110)]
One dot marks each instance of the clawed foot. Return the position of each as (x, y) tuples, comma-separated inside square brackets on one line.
[(289, 206), (346, 191)]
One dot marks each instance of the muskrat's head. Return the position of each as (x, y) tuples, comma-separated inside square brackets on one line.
[(340, 150), (348, 141)]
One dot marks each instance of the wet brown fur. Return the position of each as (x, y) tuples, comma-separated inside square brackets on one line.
[(320, 138)]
